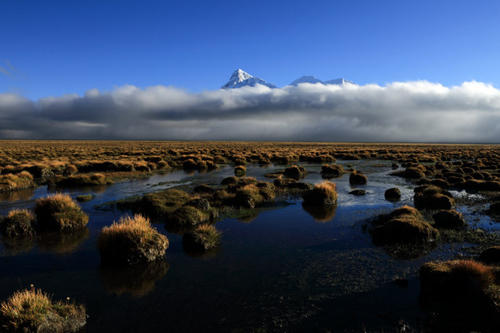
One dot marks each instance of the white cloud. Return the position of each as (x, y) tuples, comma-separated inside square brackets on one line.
[(400, 111)]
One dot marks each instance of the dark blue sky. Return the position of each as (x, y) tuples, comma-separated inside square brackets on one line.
[(50, 48)]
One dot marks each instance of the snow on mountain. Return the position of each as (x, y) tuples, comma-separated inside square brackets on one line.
[(312, 79), (306, 79), (340, 82), (240, 78)]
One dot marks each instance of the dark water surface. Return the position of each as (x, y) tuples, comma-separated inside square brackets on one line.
[(280, 270)]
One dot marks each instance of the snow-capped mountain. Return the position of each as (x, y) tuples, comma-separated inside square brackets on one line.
[(240, 78), (340, 82), (306, 79), (312, 79)]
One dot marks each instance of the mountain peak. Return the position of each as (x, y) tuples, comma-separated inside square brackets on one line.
[(240, 78), (340, 81), (306, 79)]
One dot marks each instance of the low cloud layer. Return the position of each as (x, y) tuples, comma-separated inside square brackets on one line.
[(401, 111)]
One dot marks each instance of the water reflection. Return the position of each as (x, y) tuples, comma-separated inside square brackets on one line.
[(62, 243), (196, 252), (57, 243), (25, 194), (137, 280), (14, 247), (321, 214)]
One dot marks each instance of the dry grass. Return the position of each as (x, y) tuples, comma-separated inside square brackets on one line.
[(204, 237), (14, 182), (403, 225), (59, 212), (323, 194), (19, 223), (32, 310), (131, 240)]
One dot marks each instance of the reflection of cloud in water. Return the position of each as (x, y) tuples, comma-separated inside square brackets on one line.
[(321, 214), (137, 280)]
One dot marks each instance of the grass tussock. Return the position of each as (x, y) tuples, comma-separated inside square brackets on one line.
[(403, 225), (332, 171), (130, 241), (19, 223), (449, 219), (203, 238), (59, 212), (295, 172), (393, 194), (14, 182), (322, 194), (464, 290), (32, 310), (240, 170), (432, 197), (357, 178), (84, 180)]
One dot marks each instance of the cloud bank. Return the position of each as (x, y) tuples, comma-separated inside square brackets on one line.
[(401, 111)]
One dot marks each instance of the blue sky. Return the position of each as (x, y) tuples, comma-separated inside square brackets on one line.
[(51, 48)]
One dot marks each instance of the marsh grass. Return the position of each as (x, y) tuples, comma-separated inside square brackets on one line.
[(59, 212), (19, 223), (203, 238), (130, 241), (322, 194), (403, 225), (14, 182), (32, 310)]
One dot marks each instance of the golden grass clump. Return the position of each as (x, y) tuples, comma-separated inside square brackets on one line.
[(357, 178), (19, 223), (131, 240), (403, 225), (392, 194), (59, 212), (295, 172), (332, 171), (322, 194), (449, 219), (240, 170), (461, 284), (203, 238), (32, 310), (14, 182), (85, 180), (432, 197)]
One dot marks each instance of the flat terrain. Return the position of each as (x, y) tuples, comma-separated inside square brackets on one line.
[(262, 236)]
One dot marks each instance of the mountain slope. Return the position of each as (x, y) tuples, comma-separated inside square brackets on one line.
[(306, 79), (240, 78)]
